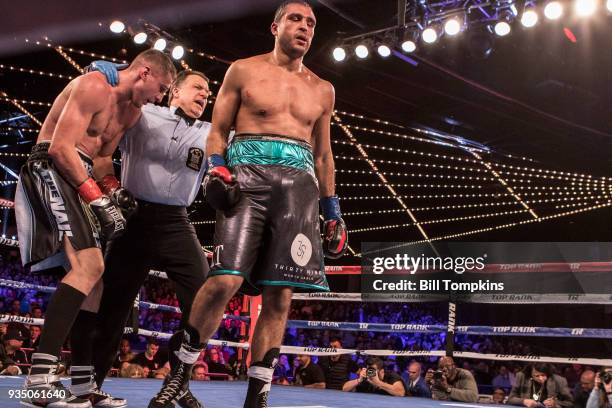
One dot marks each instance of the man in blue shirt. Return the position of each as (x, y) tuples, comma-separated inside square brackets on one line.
[(163, 163)]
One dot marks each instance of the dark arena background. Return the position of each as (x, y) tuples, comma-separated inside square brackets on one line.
[(455, 121)]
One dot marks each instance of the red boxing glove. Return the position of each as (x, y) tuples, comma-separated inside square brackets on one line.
[(89, 190), (335, 238), (223, 173), (109, 183)]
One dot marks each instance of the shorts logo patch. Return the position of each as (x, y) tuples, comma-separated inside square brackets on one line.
[(195, 158), (56, 203), (301, 250)]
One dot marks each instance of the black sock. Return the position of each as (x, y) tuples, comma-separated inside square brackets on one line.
[(81, 338), (174, 344), (61, 312), (260, 376)]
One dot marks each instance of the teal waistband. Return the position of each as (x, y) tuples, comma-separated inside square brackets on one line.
[(270, 150)]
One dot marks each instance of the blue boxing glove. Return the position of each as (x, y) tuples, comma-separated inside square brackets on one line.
[(335, 234), (221, 190), (109, 69)]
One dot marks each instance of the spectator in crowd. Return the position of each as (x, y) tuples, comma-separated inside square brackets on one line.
[(450, 382), (282, 369), (572, 374), (498, 397), (10, 351), (415, 384), (124, 354), (216, 366), (15, 308), (481, 373), (504, 379), (149, 359), (583, 389), (537, 386), (373, 379), (37, 312), (34, 338), (601, 396), (295, 366), (199, 372), (337, 368), (132, 371), (309, 375)]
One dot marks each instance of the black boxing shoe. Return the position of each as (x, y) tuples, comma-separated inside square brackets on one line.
[(257, 394), (188, 400)]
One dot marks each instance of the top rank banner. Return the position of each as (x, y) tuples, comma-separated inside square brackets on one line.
[(485, 271)]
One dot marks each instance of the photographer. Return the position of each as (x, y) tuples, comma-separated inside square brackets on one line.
[(374, 380), (451, 383), (537, 387), (601, 396)]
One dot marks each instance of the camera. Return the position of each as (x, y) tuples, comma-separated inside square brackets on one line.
[(371, 372), (605, 376), (437, 375)]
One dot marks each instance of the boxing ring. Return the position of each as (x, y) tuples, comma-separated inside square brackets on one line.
[(442, 168)]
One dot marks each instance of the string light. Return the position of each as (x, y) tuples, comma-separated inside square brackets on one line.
[(5, 154), (21, 108), (372, 212), (505, 184), (394, 134), (21, 129), (93, 54), (422, 175), (353, 142), (463, 206), (72, 62), (462, 186), (418, 130), (439, 221), (513, 224), (416, 164), (202, 222), (425, 196), (407, 151), (562, 173), (23, 101), (35, 72)]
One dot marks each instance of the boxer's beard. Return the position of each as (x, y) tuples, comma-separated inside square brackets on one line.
[(285, 45)]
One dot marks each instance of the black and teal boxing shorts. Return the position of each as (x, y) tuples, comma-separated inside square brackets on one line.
[(271, 236)]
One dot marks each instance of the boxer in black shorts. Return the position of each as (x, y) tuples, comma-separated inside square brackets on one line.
[(68, 200), (267, 233), (271, 236)]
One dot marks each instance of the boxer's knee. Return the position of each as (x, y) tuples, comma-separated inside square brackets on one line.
[(276, 301), (221, 288)]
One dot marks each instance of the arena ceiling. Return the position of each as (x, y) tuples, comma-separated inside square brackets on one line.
[(510, 147)]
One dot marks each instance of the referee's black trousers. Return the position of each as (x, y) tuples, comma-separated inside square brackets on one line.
[(157, 237)]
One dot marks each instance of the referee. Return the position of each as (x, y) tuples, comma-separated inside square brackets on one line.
[(163, 165)]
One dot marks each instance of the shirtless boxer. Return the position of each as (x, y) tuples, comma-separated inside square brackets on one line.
[(268, 241), (63, 214)]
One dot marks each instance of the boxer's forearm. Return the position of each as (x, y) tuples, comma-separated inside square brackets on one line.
[(69, 164), (103, 166), (325, 172)]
